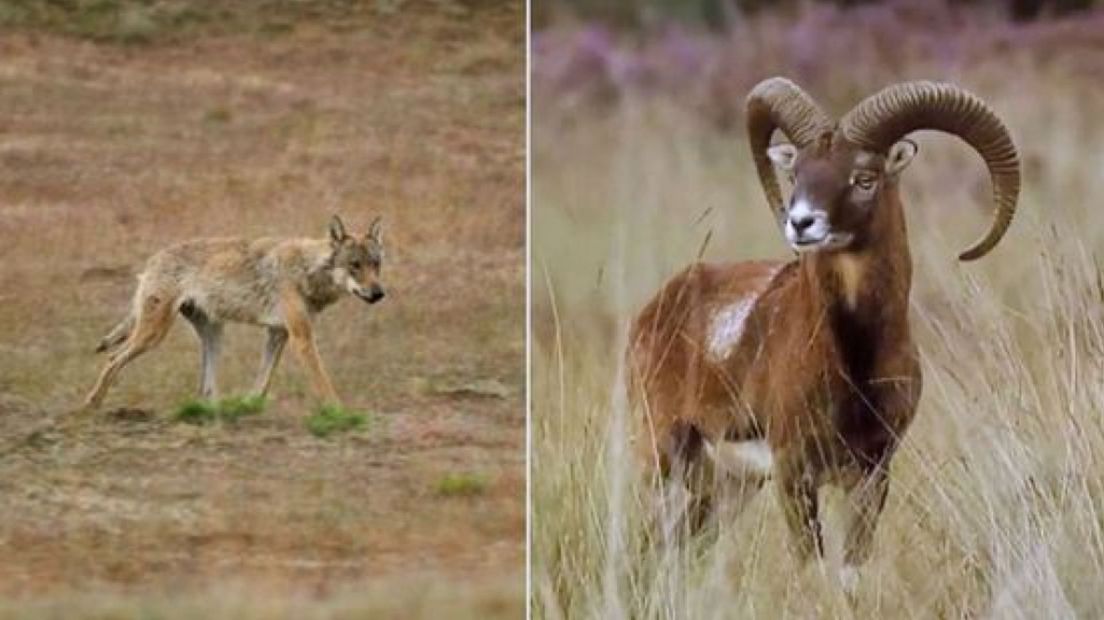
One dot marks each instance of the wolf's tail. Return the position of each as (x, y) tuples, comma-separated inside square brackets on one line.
[(117, 335)]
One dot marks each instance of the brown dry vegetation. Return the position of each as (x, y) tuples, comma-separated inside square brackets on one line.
[(110, 152), (997, 492)]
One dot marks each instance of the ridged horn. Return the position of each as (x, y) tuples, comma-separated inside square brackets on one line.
[(889, 115), (777, 103)]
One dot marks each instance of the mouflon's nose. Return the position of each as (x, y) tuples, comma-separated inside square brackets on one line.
[(801, 223)]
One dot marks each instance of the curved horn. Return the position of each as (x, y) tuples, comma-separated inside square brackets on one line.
[(777, 103), (889, 115)]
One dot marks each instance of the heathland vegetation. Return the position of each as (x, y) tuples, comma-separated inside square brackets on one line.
[(641, 165)]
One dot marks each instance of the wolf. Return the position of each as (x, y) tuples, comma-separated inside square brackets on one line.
[(278, 284)]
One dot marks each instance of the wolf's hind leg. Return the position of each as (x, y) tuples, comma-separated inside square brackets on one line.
[(274, 346), (210, 338), (117, 335), (155, 317)]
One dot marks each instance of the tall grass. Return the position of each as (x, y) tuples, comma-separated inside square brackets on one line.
[(996, 504)]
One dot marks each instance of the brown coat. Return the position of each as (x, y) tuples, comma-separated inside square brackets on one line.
[(815, 356)]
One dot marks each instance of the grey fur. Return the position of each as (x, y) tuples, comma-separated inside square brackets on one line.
[(280, 284)]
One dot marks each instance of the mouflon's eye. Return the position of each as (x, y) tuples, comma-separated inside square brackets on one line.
[(355, 265), (863, 181)]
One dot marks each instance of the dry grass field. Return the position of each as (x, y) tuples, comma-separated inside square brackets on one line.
[(996, 505), (125, 133)]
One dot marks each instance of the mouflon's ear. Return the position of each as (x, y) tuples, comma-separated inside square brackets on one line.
[(783, 155), (900, 155)]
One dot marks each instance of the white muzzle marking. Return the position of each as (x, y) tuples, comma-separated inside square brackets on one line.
[(817, 235)]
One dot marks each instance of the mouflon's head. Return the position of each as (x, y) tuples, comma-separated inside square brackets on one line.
[(843, 171)]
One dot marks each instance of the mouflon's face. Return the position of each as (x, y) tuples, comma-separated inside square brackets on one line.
[(357, 260), (836, 190)]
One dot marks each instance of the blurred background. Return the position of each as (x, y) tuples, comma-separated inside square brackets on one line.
[(129, 125), (640, 166), (717, 15)]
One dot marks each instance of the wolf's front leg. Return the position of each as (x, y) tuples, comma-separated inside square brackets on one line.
[(302, 342)]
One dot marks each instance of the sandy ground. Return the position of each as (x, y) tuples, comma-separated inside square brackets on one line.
[(108, 153)]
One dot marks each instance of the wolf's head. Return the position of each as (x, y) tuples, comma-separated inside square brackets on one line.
[(356, 260)]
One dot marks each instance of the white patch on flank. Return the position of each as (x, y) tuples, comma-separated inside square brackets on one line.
[(728, 327), (741, 458)]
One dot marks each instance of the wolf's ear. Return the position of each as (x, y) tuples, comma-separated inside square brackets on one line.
[(375, 231), (337, 230)]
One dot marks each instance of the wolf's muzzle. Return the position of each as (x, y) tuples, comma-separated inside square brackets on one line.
[(374, 294)]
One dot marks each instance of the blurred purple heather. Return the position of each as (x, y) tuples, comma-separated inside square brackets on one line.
[(838, 52)]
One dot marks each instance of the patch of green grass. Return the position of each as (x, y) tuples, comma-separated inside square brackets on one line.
[(230, 409), (462, 485), (196, 412), (332, 419), (236, 407)]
